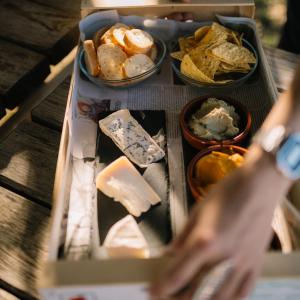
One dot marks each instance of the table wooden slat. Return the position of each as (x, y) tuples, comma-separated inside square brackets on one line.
[(2, 109), (4, 295), (28, 161), (51, 111), (20, 71), (48, 27), (24, 233), (283, 65)]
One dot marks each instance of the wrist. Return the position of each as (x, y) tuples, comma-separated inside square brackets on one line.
[(265, 173)]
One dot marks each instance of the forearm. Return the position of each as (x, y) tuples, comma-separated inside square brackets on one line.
[(286, 111), (264, 176), (262, 165)]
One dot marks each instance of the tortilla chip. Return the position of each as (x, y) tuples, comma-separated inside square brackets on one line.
[(216, 33), (223, 81), (227, 68), (189, 69), (234, 38), (201, 32), (238, 66), (241, 38), (208, 65), (186, 43), (178, 55), (233, 54)]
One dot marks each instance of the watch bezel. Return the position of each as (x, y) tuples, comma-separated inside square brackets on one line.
[(288, 157)]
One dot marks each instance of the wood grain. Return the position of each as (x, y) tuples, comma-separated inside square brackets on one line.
[(49, 27), (28, 161), (24, 233), (20, 71), (162, 8), (282, 64), (4, 295), (51, 111), (2, 109)]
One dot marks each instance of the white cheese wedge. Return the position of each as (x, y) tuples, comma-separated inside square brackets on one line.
[(120, 180), (131, 138), (125, 239)]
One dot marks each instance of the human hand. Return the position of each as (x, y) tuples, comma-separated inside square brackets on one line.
[(181, 16), (233, 222)]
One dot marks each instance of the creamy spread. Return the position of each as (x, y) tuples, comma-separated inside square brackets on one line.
[(215, 120)]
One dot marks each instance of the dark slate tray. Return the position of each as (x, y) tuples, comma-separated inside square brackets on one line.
[(155, 224)]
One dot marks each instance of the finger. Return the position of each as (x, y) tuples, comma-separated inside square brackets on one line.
[(246, 286), (188, 229), (175, 16), (188, 292), (230, 286), (183, 236), (188, 16), (181, 271)]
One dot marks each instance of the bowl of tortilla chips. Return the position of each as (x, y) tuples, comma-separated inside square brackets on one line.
[(214, 57)]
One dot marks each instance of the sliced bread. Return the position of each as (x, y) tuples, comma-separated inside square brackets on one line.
[(137, 41), (90, 57), (137, 64), (108, 38), (111, 58)]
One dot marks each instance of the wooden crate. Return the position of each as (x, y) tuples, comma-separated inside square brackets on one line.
[(115, 278)]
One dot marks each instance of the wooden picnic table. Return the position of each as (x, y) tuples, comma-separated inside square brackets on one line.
[(33, 35), (27, 165)]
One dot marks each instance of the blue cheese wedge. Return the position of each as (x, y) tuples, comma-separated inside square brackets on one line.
[(121, 180), (125, 239), (131, 138)]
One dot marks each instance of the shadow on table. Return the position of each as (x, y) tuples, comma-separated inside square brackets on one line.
[(27, 168)]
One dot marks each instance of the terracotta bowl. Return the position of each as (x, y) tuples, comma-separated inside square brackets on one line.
[(229, 149), (200, 143)]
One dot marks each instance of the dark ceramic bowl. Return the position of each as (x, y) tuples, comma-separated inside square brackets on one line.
[(130, 81), (237, 78), (197, 193), (200, 143)]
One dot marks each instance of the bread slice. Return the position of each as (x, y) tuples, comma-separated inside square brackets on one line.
[(111, 58), (90, 57), (118, 35), (97, 38), (108, 38), (137, 64), (153, 52), (138, 41)]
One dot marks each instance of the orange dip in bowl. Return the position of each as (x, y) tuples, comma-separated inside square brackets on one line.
[(211, 165)]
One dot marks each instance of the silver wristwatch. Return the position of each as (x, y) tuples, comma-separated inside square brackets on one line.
[(284, 146)]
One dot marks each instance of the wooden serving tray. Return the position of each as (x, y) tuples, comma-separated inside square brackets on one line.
[(128, 278)]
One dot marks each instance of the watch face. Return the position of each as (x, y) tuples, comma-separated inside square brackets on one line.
[(288, 157)]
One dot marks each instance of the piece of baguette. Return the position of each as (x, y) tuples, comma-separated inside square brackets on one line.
[(90, 57), (153, 52), (137, 64), (118, 35), (97, 38), (137, 41), (111, 58), (108, 38)]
